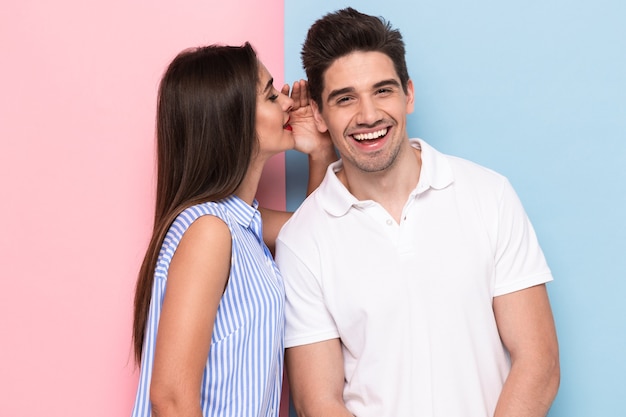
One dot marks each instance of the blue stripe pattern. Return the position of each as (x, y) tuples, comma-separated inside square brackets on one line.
[(243, 372)]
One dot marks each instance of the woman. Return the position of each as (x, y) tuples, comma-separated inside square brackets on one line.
[(208, 322)]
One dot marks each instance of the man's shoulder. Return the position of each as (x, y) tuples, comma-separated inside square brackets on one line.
[(432, 153), (306, 213), (470, 167), (442, 167)]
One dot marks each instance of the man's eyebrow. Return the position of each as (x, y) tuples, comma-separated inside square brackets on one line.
[(391, 81), (338, 92)]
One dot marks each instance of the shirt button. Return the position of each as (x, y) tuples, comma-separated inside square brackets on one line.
[(389, 222)]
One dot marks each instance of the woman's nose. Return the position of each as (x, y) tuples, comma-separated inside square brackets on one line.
[(287, 102)]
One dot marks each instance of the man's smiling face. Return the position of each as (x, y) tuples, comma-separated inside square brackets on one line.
[(365, 109)]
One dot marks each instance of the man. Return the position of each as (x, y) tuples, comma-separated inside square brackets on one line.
[(415, 283)]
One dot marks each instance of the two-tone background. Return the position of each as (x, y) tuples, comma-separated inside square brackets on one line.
[(533, 89)]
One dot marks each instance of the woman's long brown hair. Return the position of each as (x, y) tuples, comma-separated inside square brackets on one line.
[(205, 131)]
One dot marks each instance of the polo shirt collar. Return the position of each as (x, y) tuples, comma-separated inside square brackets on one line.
[(435, 173)]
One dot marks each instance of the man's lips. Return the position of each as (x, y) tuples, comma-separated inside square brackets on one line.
[(373, 135)]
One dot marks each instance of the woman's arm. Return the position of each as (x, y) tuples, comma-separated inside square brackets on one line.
[(308, 140), (197, 278)]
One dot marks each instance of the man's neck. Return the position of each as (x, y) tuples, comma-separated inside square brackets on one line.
[(389, 188)]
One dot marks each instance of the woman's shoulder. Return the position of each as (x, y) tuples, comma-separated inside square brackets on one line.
[(204, 214), (197, 211)]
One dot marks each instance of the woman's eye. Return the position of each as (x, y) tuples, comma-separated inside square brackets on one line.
[(274, 97)]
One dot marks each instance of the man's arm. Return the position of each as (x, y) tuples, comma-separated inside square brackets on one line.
[(316, 379), (526, 326)]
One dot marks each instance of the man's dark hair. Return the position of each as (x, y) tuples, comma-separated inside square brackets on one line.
[(345, 31)]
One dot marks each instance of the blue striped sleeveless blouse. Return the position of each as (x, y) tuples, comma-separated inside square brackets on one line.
[(243, 373)]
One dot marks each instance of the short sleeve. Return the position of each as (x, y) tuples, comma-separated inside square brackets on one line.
[(519, 260), (307, 319)]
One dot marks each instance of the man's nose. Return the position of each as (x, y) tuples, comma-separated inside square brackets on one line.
[(368, 113)]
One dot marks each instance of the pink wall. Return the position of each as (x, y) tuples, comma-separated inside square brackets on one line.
[(77, 97)]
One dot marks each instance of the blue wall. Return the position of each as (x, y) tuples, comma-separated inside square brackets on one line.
[(537, 91)]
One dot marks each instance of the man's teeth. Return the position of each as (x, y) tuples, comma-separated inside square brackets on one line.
[(371, 135)]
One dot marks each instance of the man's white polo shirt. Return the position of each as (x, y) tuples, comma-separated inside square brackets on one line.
[(411, 302)]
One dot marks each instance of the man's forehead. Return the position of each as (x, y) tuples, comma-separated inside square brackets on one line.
[(359, 70)]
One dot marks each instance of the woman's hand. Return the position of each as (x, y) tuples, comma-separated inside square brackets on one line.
[(307, 138)]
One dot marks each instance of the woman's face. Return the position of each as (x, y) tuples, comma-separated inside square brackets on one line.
[(272, 116)]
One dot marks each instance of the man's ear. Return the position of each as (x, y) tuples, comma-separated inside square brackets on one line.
[(410, 97), (319, 120)]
